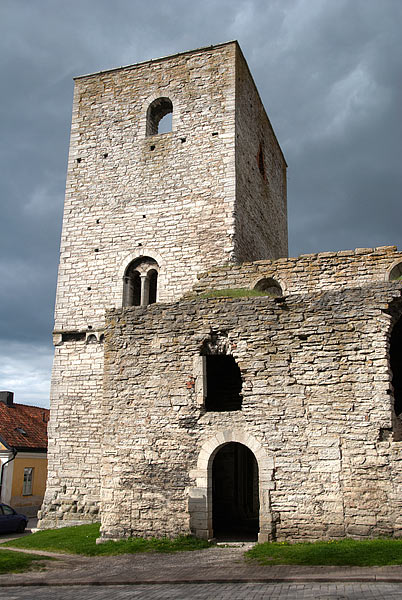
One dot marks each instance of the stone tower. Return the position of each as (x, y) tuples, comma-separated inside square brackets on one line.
[(145, 211)]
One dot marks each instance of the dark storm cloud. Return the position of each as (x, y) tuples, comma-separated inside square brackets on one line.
[(330, 83), (329, 74)]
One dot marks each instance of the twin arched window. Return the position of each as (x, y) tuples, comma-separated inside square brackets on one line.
[(140, 282)]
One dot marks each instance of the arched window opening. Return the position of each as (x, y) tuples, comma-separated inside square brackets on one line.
[(140, 282), (223, 383), (165, 124), (235, 494), (396, 273), (136, 288), (132, 289), (395, 354), (159, 116), (269, 286), (153, 282)]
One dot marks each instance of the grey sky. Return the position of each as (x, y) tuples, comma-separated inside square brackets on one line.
[(329, 73)]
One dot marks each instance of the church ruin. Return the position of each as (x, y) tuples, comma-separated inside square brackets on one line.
[(176, 406)]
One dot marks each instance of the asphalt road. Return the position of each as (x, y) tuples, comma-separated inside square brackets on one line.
[(210, 591)]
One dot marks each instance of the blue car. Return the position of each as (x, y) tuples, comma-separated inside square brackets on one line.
[(10, 520)]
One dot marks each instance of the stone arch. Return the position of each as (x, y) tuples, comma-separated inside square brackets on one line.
[(92, 337), (130, 258), (269, 284), (263, 277), (156, 111), (140, 282), (394, 273), (162, 93), (200, 497)]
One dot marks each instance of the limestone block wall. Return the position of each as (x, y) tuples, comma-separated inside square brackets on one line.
[(317, 413), (168, 196), (75, 433), (309, 272), (261, 206), (190, 198), (317, 404), (132, 193), (395, 465)]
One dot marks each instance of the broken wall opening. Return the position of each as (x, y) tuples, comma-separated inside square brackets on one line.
[(221, 376), (223, 382), (395, 354), (395, 368)]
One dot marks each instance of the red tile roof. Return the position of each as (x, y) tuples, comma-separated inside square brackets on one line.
[(23, 426)]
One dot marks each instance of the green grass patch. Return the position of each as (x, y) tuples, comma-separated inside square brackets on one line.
[(347, 552), (17, 562), (235, 293), (81, 539)]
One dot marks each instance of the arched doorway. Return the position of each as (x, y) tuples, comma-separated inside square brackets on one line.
[(235, 494)]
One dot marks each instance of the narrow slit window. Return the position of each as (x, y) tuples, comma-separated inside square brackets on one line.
[(260, 161)]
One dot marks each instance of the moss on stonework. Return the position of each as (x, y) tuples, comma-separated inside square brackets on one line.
[(235, 293)]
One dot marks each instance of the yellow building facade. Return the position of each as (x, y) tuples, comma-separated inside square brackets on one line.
[(23, 454)]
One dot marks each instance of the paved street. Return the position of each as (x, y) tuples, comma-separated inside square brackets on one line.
[(211, 591), (218, 573)]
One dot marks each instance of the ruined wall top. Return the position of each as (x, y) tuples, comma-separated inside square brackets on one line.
[(151, 61), (309, 273)]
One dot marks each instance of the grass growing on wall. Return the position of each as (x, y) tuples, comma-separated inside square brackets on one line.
[(234, 293), (348, 552), (81, 539)]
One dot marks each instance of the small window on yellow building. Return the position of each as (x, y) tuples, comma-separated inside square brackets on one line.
[(28, 479)]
